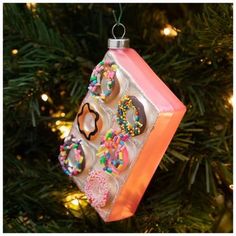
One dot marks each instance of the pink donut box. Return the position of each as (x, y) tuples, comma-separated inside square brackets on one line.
[(170, 112)]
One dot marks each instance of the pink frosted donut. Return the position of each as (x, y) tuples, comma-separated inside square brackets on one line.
[(96, 189)]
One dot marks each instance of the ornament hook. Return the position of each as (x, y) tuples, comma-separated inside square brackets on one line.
[(118, 42), (113, 29)]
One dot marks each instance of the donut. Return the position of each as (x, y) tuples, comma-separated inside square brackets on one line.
[(113, 153), (96, 189), (89, 122), (103, 82), (79, 157), (131, 106)]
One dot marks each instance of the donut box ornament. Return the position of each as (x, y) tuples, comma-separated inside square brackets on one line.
[(121, 132)]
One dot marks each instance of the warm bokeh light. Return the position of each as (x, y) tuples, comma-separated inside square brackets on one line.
[(14, 51), (231, 100), (44, 97), (169, 31), (31, 6), (75, 202), (65, 130), (63, 127), (58, 122), (166, 31), (54, 130)]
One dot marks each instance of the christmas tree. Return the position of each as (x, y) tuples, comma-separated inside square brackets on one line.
[(49, 53)]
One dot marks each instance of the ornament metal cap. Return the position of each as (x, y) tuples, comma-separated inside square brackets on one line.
[(118, 43)]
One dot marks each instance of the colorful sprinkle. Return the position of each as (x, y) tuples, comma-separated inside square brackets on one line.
[(104, 70), (125, 104), (65, 149), (112, 152)]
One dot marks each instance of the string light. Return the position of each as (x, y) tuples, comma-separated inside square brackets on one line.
[(31, 6), (18, 157), (58, 122), (169, 31), (231, 100), (166, 31), (231, 186), (63, 127), (58, 114), (74, 202), (53, 130), (44, 97), (14, 51), (65, 130)]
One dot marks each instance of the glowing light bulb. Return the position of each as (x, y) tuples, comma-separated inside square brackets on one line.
[(31, 6), (166, 31), (65, 130), (58, 122), (44, 97), (14, 51), (75, 202), (169, 31), (231, 100), (63, 127)]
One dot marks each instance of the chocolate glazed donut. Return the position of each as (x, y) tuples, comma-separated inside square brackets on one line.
[(139, 106), (115, 88), (72, 169), (103, 82), (138, 123), (88, 133)]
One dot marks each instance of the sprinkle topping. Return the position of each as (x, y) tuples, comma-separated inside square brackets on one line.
[(126, 104), (103, 71), (112, 152), (69, 144)]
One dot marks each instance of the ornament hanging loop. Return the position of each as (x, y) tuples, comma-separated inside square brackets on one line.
[(118, 42), (113, 30)]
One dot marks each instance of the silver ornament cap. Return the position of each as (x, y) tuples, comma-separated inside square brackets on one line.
[(118, 43)]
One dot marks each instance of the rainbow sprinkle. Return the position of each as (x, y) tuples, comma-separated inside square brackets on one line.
[(104, 70), (113, 142), (69, 144), (124, 105)]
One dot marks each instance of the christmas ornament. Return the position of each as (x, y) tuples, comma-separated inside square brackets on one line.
[(124, 126)]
